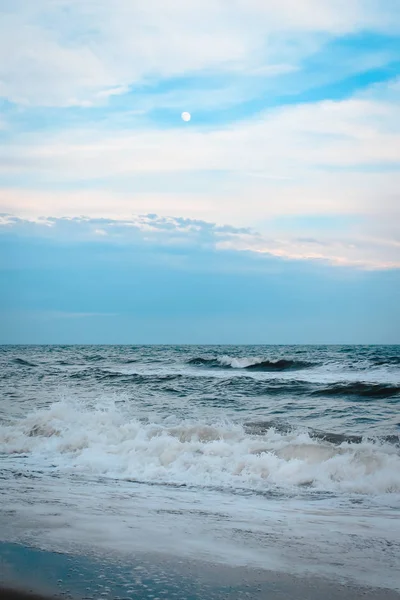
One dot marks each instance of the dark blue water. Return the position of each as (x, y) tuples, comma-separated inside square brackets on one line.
[(342, 389)]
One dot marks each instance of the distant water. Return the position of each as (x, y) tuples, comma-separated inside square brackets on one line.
[(226, 443)]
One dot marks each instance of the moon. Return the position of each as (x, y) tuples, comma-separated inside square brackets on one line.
[(186, 116)]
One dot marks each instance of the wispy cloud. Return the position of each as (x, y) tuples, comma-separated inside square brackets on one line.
[(350, 247), (71, 52), (359, 131)]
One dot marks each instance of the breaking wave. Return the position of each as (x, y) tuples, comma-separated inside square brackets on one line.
[(106, 441), (251, 364)]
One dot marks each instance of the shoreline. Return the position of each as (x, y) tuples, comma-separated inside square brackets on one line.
[(27, 573)]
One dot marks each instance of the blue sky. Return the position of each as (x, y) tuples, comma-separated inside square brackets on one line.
[(271, 217)]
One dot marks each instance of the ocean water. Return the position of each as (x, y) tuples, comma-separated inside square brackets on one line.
[(277, 457)]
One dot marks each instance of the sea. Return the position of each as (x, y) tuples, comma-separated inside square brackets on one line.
[(282, 458)]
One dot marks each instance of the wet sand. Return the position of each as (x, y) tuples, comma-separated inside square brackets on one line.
[(7, 594), (30, 574)]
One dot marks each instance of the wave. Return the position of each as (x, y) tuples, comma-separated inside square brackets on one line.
[(261, 427), (23, 363), (227, 388), (360, 388), (280, 365), (251, 364), (106, 441), (387, 360), (94, 373), (94, 358), (107, 375), (248, 386)]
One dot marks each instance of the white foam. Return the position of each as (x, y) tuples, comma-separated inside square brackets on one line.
[(238, 363), (106, 441)]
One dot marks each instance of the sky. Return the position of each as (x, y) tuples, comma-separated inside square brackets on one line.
[(272, 216)]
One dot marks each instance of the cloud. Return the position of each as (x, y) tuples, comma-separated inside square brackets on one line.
[(94, 93), (347, 251), (350, 248), (328, 157), (362, 130), (79, 53)]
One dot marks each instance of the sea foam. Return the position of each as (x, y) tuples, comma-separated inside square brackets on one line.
[(107, 441)]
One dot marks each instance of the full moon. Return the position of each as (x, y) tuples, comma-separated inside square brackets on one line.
[(186, 116)]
